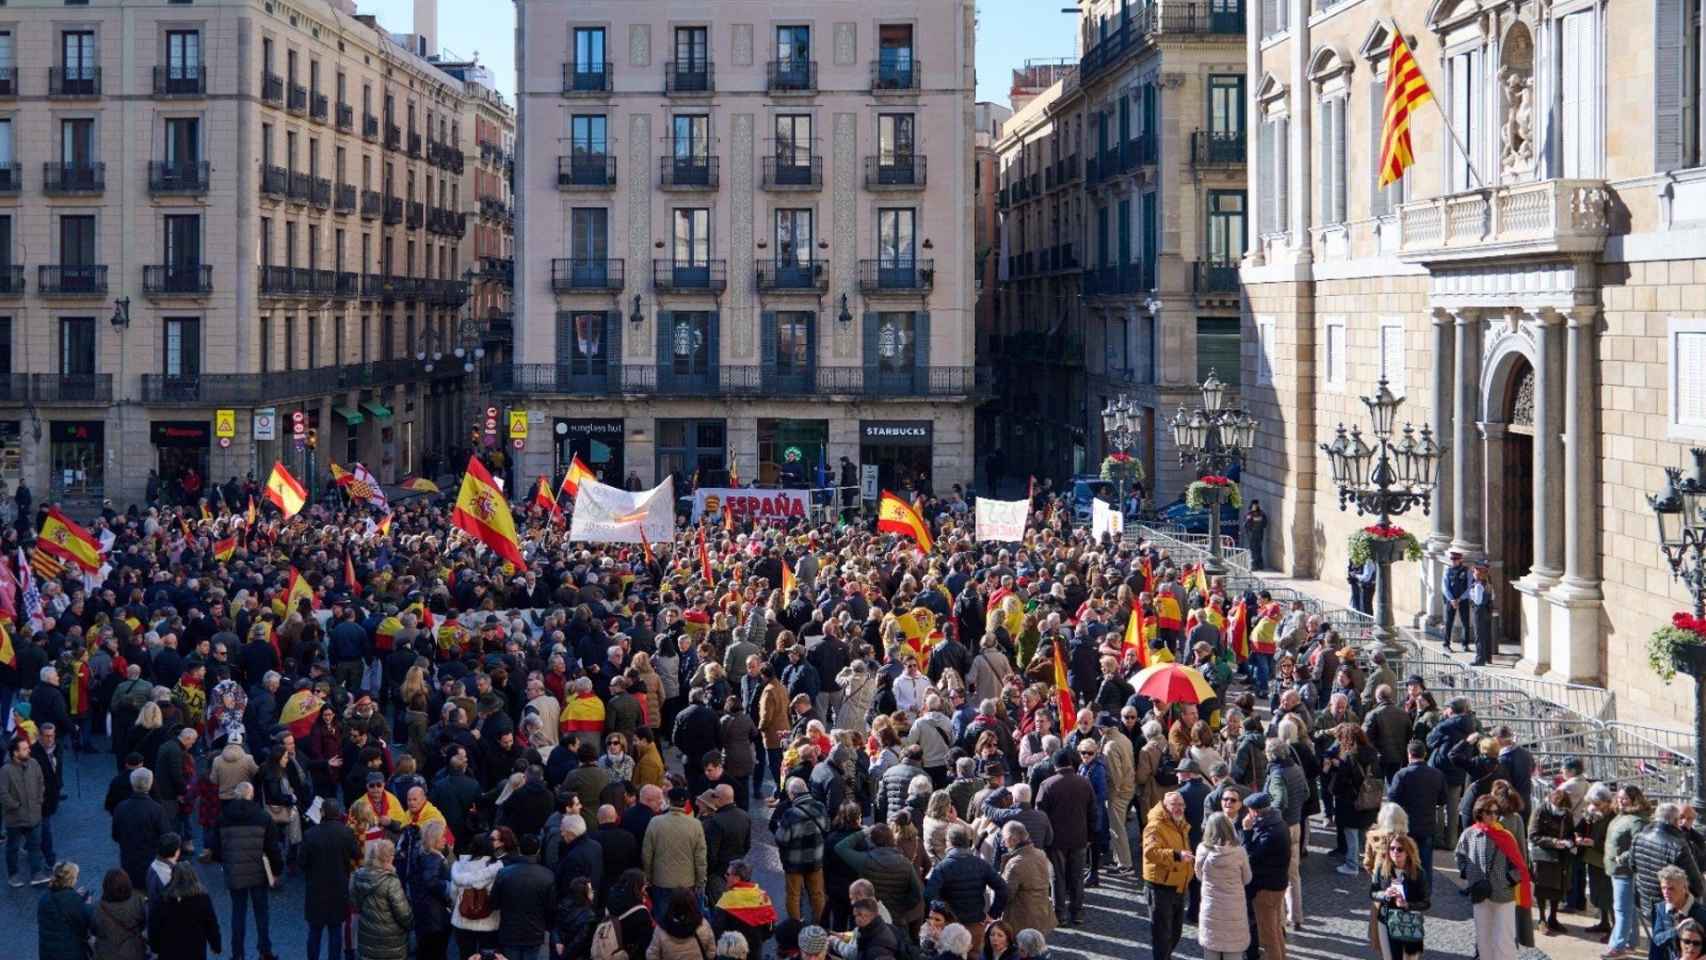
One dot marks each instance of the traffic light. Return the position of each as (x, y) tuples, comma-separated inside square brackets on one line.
[(313, 438)]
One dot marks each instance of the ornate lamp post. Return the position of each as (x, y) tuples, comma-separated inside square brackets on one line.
[(1680, 507), (1213, 439), (1386, 479), (1121, 424)]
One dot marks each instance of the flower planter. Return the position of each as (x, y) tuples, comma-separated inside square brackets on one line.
[(1385, 551)]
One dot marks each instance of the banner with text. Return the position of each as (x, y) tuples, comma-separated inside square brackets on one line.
[(1105, 519), (606, 514), (752, 504), (1002, 520)]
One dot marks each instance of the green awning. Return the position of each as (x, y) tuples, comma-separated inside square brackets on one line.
[(351, 416), (379, 410)]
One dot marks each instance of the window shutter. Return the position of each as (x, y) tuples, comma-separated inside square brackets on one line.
[(1689, 377), (713, 348), (921, 330), (1340, 200), (1670, 33), (767, 339), (1282, 175), (665, 360), (1380, 199), (811, 341), (613, 347), (565, 337), (1265, 177)]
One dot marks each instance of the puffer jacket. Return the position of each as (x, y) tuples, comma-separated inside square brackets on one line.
[(1290, 789), (246, 835), (1658, 846), (1164, 839), (378, 897), (1268, 842), (1620, 843), (892, 789), (892, 875), (1224, 872), (469, 873)]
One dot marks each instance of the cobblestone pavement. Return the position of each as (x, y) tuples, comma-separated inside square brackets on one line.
[(1115, 928)]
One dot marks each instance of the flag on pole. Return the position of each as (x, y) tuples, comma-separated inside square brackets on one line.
[(419, 485), (285, 491), (224, 549), (45, 566), (1134, 638), (32, 606), (646, 547), (789, 583), (8, 654), (297, 591), (577, 472), (1238, 633), (1406, 89), (728, 517), (545, 500), (1062, 691), (249, 517), (64, 538), (482, 513), (349, 576), (705, 560), (206, 514), (895, 515)]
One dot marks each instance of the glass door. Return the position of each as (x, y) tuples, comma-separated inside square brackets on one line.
[(794, 149), (589, 146), (589, 58), (793, 57), (692, 150), (794, 248), (691, 266), (589, 246), (897, 264), (895, 146), (183, 253)]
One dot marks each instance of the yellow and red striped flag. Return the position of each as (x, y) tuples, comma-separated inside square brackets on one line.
[(1134, 638), (350, 579), (223, 549), (1406, 89), (577, 472), (705, 560), (1063, 690), (8, 653), (419, 485), (895, 515), (789, 583), (285, 491), (297, 591), (64, 538), (545, 500), (249, 517)]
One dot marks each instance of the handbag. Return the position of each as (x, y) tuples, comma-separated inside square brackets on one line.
[(1402, 925), (475, 903), (1370, 793)]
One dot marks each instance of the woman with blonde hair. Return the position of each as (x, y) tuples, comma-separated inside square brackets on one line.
[(651, 686), (939, 816), (1399, 890)]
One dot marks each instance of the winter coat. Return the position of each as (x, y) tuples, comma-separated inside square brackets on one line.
[(1224, 872), (1164, 839), (1070, 803), (1420, 790), (328, 855), (1620, 843), (138, 825), (773, 714), (468, 873), (1442, 738), (526, 895), (429, 892), (62, 925), (1661, 845), (890, 872), (1286, 783), (1030, 882), (183, 929), (121, 929), (1478, 859), (22, 787), (246, 835), (1388, 726), (1268, 843), (893, 788), (700, 944), (799, 830), (673, 851), (960, 879), (1345, 781), (857, 696), (385, 916), (1549, 860), (735, 733)]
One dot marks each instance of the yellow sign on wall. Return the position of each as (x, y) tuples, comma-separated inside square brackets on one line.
[(518, 424), (225, 424)]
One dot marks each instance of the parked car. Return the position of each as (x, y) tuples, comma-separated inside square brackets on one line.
[(1192, 520), (1086, 487)]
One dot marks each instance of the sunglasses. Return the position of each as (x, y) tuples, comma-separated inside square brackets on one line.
[(1227, 800), (1687, 942)]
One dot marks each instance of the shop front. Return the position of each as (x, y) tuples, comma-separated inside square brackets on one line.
[(791, 451), (900, 450), (77, 459), (180, 449), (598, 442)]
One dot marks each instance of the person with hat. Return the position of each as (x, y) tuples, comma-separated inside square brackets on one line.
[(1481, 604), (377, 809), (1069, 802), (1454, 594), (1267, 840)]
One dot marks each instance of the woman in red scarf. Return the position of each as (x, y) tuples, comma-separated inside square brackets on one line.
[(1491, 860)]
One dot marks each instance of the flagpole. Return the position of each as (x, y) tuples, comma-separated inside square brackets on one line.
[(1457, 141)]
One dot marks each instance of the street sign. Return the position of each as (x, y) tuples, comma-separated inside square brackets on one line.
[(224, 442), (518, 425), (518, 443), (491, 413), (225, 424), (491, 424), (266, 424)]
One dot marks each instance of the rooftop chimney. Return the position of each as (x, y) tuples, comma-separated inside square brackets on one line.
[(426, 27)]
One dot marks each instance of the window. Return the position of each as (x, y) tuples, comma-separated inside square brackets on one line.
[(689, 344), (1466, 119), (896, 236), (1265, 329), (693, 237), (896, 342), (1225, 226), (1384, 200), (77, 346), (77, 144), (1330, 161), (894, 49), (589, 136), (1276, 17), (5, 345), (692, 139), (266, 343), (1392, 353), (289, 341), (77, 55), (183, 55), (1104, 239), (588, 343), (1678, 58), (1226, 105), (691, 447), (183, 143), (794, 341), (793, 140), (183, 247), (1579, 142), (1219, 349), (692, 70), (366, 338), (794, 236), (1271, 157), (1687, 378), (793, 58), (1335, 349), (313, 355), (589, 245), (181, 348), (8, 60), (76, 241)]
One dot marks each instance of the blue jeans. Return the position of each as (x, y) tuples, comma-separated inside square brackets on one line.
[(30, 837), (334, 941), (1353, 848), (1261, 668), (240, 917), (1625, 928)]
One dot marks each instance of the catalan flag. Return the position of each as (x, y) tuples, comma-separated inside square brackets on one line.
[(419, 485), (895, 515), (1062, 690), (285, 491), (482, 513), (646, 548), (44, 565), (224, 549), (1406, 89), (577, 472), (64, 538)]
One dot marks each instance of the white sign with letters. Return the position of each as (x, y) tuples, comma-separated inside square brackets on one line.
[(1002, 520)]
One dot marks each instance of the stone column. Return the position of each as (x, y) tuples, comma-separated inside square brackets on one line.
[(1576, 600), (1466, 473), (1297, 171), (1439, 542), (1549, 463)]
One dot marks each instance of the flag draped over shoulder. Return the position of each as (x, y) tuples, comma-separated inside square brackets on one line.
[(482, 513), (297, 591), (1406, 89), (300, 712), (789, 583), (895, 515), (285, 491)]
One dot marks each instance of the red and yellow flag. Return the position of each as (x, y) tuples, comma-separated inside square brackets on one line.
[(1406, 89), (298, 590), (8, 653), (384, 525), (705, 560), (646, 548), (577, 472), (285, 491), (249, 517), (482, 513), (789, 583), (1168, 616), (747, 903), (1238, 632), (419, 485), (224, 549), (545, 500), (206, 514), (1063, 691), (1134, 639), (62, 537), (349, 576), (300, 713), (895, 515)]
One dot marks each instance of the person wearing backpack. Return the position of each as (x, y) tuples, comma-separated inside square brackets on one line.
[(474, 916), (1349, 766)]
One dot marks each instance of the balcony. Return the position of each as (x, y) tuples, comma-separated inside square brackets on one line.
[(346, 117), (894, 73), (494, 209), (897, 172), (8, 82), (369, 127), (183, 80), (178, 179), (1211, 149), (272, 89), (178, 280), (586, 171), (275, 181), (11, 178), (500, 269), (11, 279), (416, 216), (277, 280), (1545, 218), (791, 76), (1217, 279), (586, 79), (393, 137), (319, 107), (343, 200), (688, 78), (72, 388), (372, 286), (301, 187), (72, 280), (1187, 17), (670, 276), (400, 288), (320, 193), (393, 211), (742, 380), (73, 179), (74, 81), (346, 284), (792, 173), (878, 277), (1122, 280), (784, 275), (414, 145), (687, 173), (297, 101)]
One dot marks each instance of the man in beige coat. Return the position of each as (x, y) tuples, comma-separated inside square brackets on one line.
[(673, 853), (1122, 786), (1030, 881), (544, 703)]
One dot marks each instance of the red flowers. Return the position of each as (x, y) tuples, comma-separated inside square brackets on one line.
[(1683, 620), (1384, 533), (1215, 480)]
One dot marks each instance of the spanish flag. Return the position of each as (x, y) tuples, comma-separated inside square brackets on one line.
[(349, 576), (705, 560), (385, 635), (419, 485), (748, 904), (423, 616), (1148, 570), (297, 591), (1167, 613), (584, 714), (300, 712), (918, 625), (789, 583), (8, 653), (206, 514), (1134, 639), (285, 492), (728, 517), (482, 513), (1195, 579), (1406, 89), (64, 538), (646, 548), (895, 515), (577, 472), (1062, 691), (249, 517), (1237, 633), (545, 500), (224, 549)]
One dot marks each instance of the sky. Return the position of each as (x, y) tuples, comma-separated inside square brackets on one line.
[(1009, 33)]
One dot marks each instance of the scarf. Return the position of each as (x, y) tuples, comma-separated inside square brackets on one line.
[(1502, 839)]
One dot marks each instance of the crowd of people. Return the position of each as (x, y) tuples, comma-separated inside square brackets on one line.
[(452, 752)]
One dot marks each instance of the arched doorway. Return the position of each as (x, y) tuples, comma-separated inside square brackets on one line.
[(1515, 503)]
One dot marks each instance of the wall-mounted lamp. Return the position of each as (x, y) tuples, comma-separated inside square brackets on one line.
[(762, 244), (121, 313), (636, 316), (846, 315), (928, 245), (657, 244), (823, 244)]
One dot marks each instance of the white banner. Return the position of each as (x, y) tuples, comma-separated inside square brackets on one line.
[(1002, 520), (751, 504), (1105, 519), (606, 514)]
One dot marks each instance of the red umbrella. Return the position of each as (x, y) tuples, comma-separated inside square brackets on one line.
[(1172, 683)]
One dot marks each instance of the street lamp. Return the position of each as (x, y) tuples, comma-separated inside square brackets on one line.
[(1121, 423), (1385, 479), (1680, 508), (1213, 439)]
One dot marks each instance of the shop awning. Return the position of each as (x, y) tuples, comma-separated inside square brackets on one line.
[(379, 410), (351, 415)]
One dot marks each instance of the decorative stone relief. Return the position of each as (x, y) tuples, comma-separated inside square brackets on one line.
[(844, 249), (1522, 400), (743, 44), (640, 227), (741, 281), (640, 44), (845, 44), (1516, 78)]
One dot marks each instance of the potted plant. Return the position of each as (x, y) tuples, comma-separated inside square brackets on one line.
[(1122, 466), (1386, 543), (1197, 494), (1678, 647)]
